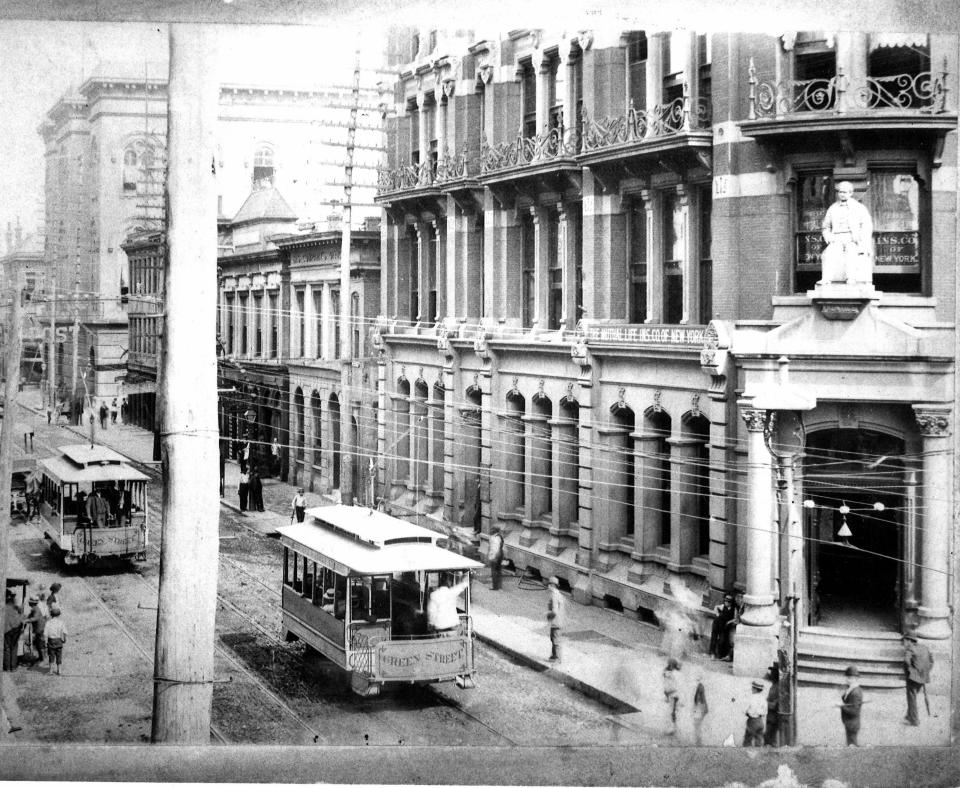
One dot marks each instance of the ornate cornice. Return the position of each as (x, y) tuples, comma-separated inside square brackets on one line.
[(754, 418)]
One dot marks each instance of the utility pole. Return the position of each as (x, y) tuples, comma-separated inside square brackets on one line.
[(186, 607), (347, 481), (7, 426), (52, 349)]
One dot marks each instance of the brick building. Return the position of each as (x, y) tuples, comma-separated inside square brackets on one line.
[(596, 250)]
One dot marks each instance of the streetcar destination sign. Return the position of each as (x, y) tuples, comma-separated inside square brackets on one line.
[(421, 660)]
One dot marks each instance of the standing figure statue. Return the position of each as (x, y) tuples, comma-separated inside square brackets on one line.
[(848, 233)]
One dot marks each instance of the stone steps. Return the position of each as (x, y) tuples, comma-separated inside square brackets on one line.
[(824, 654)]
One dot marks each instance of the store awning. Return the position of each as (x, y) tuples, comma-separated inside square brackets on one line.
[(880, 40)]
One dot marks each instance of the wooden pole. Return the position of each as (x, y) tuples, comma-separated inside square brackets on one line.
[(184, 661), (13, 350), (347, 482), (52, 350)]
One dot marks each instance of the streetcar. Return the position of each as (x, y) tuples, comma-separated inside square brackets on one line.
[(81, 531), (356, 585)]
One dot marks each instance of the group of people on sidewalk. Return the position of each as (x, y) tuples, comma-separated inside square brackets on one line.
[(34, 635)]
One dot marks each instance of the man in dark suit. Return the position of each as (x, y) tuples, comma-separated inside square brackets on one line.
[(917, 663), (850, 702)]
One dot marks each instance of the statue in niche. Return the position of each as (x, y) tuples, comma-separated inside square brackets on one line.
[(848, 235)]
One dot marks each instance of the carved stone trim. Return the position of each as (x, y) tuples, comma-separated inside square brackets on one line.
[(933, 422), (754, 418)]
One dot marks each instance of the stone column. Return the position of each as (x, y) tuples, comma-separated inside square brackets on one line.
[(654, 76), (759, 610), (541, 67), (688, 245), (567, 255), (654, 270), (309, 351), (423, 254), (934, 559), (541, 268), (756, 644), (423, 137)]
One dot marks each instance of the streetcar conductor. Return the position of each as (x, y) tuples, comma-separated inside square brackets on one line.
[(443, 618)]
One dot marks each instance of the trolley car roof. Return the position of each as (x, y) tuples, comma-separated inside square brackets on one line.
[(355, 540), (84, 463)]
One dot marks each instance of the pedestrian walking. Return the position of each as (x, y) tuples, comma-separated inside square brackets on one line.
[(58, 411), (49, 410), (298, 506), (12, 627), (771, 729), (244, 456), (123, 410), (223, 469), (56, 633), (495, 558), (671, 691), (256, 491), (755, 711), (555, 617), (275, 456), (850, 702), (917, 664), (103, 415), (113, 410), (244, 489), (700, 708)]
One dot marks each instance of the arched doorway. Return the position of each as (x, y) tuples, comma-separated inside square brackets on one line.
[(334, 409), (855, 508)]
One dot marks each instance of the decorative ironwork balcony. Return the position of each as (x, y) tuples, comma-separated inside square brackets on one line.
[(553, 144), (637, 125), (416, 176), (924, 93)]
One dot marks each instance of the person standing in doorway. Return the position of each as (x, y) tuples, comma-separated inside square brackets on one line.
[(700, 708), (917, 664), (113, 410), (555, 616), (244, 489), (495, 558), (256, 491), (850, 702), (755, 711), (103, 415), (12, 627), (298, 506)]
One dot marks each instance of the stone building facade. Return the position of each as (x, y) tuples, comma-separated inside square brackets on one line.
[(604, 325)]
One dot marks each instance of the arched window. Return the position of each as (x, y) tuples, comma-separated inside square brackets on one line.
[(263, 169), (131, 170)]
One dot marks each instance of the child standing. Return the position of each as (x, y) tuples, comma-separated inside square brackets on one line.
[(56, 633), (671, 691)]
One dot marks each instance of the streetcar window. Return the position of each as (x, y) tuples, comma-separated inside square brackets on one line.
[(340, 596), (297, 580), (286, 566), (308, 577)]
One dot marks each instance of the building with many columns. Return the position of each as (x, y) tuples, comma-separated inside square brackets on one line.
[(606, 327)]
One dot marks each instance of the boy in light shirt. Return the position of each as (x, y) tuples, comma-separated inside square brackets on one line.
[(56, 634)]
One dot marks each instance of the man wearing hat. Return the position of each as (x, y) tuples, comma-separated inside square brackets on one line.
[(850, 702), (917, 663), (12, 626), (495, 557), (36, 620), (756, 710)]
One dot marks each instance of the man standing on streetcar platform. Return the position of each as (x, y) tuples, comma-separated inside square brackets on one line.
[(443, 618)]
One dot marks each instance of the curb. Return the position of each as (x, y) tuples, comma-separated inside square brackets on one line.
[(618, 705)]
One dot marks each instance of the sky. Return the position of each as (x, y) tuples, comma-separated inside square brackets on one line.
[(41, 61)]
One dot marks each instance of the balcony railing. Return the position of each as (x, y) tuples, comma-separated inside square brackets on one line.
[(414, 176), (553, 144), (924, 92), (637, 125)]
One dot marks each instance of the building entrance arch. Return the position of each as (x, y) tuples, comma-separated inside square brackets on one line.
[(859, 506)]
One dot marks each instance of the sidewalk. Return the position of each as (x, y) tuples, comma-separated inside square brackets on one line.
[(611, 656)]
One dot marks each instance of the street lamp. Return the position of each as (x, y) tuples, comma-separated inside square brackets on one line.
[(782, 401)]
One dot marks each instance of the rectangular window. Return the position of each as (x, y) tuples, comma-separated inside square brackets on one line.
[(274, 326), (555, 304), (555, 85), (814, 195), (704, 55), (528, 99), (894, 202), (431, 242), (637, 230), (578, 265), (302, 323), (414, 112), (228, 318), (414, 269), (243, 324), (673, 255), (482, 116), (528, 269), (704, 241), (355, 324), (335, 318), (430, 120), (258, 324), (814, 66), (318, 322)]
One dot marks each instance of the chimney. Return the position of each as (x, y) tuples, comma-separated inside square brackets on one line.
[(18, 231), (9, 237)]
